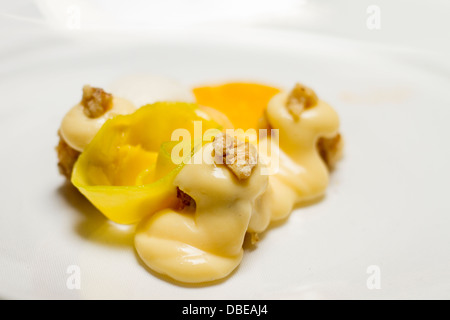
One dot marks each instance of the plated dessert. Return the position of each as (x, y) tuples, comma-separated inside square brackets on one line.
[(196, 170)]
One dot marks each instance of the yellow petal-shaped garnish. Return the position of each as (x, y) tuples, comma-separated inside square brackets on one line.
[(127, 171)]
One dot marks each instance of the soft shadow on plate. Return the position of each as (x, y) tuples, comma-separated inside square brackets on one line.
[(94, 226), (249, 246)]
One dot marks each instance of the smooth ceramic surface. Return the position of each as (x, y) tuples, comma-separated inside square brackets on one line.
[(381, 232)]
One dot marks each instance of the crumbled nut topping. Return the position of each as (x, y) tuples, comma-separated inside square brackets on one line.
[(185, 200), (66, 157), (254, 238), (299, 99), (239, 156), (330, 150), (95, 101)]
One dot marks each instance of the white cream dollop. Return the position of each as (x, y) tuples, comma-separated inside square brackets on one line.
[(142, 89)]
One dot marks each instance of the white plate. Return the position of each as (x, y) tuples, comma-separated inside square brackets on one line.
[(386, 211)]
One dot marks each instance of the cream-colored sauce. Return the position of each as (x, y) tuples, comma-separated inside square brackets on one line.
[(302, 174), (78, 129), (204, 245)]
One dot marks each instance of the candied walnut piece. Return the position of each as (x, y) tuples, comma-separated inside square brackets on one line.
[(184, 200), (330, 149), (66, 157), (239, 156), (299, 99), (95, 101), (254, 238)]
